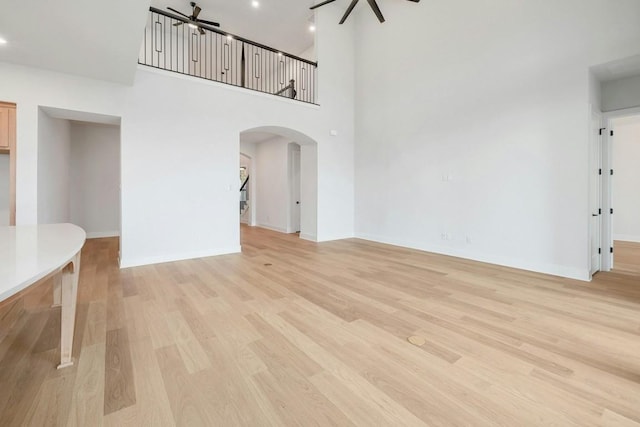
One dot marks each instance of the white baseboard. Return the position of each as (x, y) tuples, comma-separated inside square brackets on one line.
[(135, 262), (272, 228), (335, 237), (310, 237), (552, 269), (627, 238), (100, 234)]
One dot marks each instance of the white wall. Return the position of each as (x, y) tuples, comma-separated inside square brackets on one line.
[(53, 169), (595, 91), (180, 143), (626, 180), (621, 94), (272, 182), (95, 178), (308, 192), (4, 189), (494, 97)]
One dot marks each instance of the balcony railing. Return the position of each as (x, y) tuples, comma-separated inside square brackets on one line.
[(225, 58)]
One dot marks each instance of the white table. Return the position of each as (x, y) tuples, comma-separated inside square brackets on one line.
[(32, 252)]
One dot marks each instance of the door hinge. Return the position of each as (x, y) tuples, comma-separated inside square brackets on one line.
[(599, 250), (611, 250), (611, 133), (599, 211), (611, 211), (599, 171), (611, 172), (600, 131)]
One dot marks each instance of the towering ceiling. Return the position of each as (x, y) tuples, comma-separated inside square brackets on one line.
[(101, 39), (96, 39)]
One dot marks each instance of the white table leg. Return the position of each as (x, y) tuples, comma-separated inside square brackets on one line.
[(70, 275), (57, 290)]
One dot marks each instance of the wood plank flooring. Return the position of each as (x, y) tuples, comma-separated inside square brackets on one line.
[(626, 256), (293, 333)]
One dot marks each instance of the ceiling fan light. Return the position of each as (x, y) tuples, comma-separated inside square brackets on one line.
[(192, 25)]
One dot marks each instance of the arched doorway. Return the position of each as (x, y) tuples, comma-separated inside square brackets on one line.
[(283, 180)]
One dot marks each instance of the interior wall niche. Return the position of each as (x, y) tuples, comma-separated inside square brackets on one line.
[(79, 170)]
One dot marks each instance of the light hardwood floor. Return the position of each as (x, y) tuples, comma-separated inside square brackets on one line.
[(626, 256), (296, 333)]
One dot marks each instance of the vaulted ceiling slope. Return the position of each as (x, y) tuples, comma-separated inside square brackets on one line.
[(96, 39)]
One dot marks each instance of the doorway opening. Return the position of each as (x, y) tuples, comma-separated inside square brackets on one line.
[(623, 180), (614, 154), (246, 213), (281, 192), (79, 170)]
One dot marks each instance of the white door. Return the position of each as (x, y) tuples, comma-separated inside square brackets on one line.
[(595, 186), (295, 190)]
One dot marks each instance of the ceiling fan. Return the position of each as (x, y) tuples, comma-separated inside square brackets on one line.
[(193, 18), (353, 4)]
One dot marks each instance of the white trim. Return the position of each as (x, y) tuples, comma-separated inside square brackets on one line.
[(633, 111), (100, 234), (626, 238), (273, 228), (126, 263), (310, 237), (337, 237), (553, 269)]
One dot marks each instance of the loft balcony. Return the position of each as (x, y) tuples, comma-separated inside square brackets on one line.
[(216, 55)]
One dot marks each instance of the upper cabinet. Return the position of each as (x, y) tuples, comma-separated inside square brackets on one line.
[(7, 125)]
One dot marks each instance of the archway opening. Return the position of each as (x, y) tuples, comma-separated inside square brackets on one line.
[(282, 187)]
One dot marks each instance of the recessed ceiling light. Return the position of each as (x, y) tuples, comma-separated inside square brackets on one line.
[(2, 41), (255, 3), (312, 28)]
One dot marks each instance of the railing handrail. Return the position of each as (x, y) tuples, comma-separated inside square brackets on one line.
[(292, 86), (224, 33)]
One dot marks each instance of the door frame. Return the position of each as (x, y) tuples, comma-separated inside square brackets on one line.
[(598, 187), (292, 149)]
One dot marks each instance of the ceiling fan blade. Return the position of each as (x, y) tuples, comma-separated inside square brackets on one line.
[(175, 11), (349, 9), (321, 4), (200, 30), (214, 24), (196, 11), (178, 23), (376, 10), (415, 1)]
